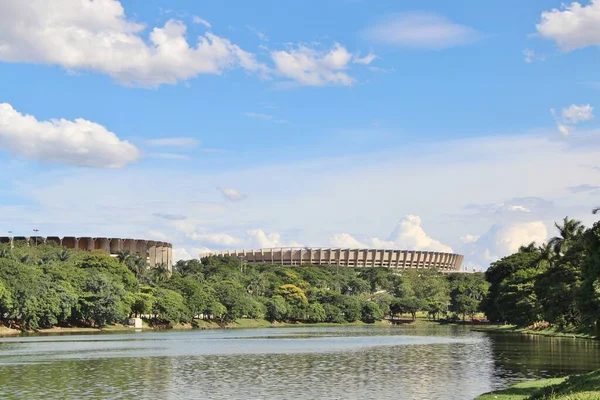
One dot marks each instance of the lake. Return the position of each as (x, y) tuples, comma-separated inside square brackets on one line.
[(406, 362)]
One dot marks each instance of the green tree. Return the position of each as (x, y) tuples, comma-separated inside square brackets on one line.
[(371, 312), (276, 309), (169, 306), (103, 300)]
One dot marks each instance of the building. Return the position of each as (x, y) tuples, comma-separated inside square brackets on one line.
[(355, 258), (156, 252)]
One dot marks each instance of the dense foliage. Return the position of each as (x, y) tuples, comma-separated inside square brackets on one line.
[(556, 283), (42, 286)]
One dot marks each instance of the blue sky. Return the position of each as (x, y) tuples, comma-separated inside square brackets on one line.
[(464, 126)]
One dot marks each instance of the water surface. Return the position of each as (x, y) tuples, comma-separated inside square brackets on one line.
[(445, 362)]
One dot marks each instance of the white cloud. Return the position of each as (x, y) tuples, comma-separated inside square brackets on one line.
[(197, 20), (311, 67), (173, 142), (265, 117), (572, 116), (531, 56), (257, 238), (576, 114), (366, 60), (468, 238), (408, 235), (345, 240), (564, 130), (572, 26), (97, 36), (501, 240), (232, 194), (216, 239), (79, 142), (420, 30)]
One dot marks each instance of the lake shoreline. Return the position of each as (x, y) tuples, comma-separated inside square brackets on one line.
[(583, 387), (198, 325), (549, 332)]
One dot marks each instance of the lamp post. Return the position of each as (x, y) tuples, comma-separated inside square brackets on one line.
[(36, 231)]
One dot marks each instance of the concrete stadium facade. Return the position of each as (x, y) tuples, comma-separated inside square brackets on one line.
[(355, 258), (156, 252)]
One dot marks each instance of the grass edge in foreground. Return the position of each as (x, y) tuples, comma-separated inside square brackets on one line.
[(574, 387)]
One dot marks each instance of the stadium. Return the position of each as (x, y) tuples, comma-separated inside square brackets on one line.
[(156, 252), (354, 258)]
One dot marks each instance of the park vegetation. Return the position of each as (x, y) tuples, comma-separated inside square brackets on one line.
[(44, 286), (555, 285)]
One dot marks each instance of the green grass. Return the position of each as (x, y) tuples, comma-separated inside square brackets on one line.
[(520, 391), (576, 387)]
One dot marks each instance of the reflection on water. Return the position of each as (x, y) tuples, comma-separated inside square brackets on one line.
[(303, 363)]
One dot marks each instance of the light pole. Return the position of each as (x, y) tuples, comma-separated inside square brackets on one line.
[(12, 245), (36, 231)]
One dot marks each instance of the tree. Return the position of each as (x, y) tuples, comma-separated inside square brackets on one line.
[(569, 231), (466, 293), (102, 301), (316, 313), (292, 294), (371, 312), (142, 304), (168, 306), (410, 305), (276, 309), (6, 301), (498, 273)]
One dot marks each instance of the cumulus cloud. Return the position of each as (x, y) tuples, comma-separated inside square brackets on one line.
[(408, 234), (232, 194), (257, 238), (78, 143), (468, 238), (501, 240), (572, 26), (569, 117), (311, 67), (421, 31), (345, 240), (576, 114), (173, 142), (98, 36)]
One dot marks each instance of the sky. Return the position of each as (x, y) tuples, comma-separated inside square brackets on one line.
[(447, 126)]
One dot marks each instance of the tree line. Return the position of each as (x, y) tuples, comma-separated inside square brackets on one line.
[(556, 283), (46, 285)]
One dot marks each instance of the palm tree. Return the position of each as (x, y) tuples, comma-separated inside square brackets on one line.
[(63, 255), (530, 248), (122, 256), (546, 254), (160, 273), (569, 230)]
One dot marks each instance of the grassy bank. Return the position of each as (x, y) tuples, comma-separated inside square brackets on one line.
[(576, 387), (198, 324), (551, 331)]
